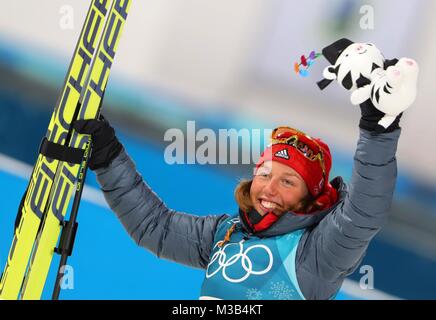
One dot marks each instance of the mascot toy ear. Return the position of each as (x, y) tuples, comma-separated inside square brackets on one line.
[(330, 74)]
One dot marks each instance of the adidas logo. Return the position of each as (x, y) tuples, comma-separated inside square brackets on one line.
[(282, 154)]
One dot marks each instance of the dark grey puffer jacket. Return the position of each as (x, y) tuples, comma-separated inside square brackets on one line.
[(332, 247)]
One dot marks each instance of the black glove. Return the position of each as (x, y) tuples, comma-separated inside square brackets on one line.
[(371, 116), (105, 145)]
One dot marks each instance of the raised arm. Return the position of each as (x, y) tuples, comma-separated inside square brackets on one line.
[(171, 235), (335, 248)]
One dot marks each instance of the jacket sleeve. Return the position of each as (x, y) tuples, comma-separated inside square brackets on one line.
[(169, 234), (337, 245)]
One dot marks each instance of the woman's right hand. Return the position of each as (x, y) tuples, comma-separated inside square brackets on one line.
[(105, 145)]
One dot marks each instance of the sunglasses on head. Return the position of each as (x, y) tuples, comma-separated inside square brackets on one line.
[(307, 146)]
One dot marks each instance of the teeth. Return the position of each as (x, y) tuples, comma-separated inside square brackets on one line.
[(268, 205)]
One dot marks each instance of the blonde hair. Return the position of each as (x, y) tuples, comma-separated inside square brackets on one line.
[(242, 196)]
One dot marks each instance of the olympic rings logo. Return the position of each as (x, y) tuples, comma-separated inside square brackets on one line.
[(221, 258)]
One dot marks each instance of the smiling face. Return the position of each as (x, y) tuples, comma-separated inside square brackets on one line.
[(277, 188)]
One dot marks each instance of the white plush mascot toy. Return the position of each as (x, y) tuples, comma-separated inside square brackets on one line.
[(390, 85)]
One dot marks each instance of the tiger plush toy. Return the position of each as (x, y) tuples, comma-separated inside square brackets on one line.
[(351, 65), (391, 91), (391, 85)]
